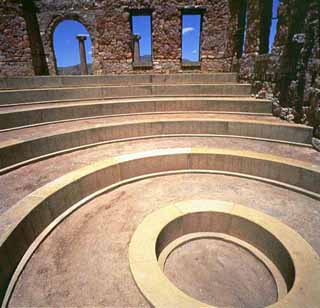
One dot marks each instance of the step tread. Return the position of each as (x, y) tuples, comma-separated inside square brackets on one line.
[(73, 103), (233, 84), (40, 173), (60, 81), (60, 128)]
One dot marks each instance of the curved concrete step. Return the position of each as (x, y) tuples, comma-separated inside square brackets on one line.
[(79, 81), (292, 165), (20, 182), (18, 148), (40, 172), (17, 116), (20, 226), (9, 97)]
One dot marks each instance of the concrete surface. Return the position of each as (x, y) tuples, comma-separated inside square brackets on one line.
[(221, 274), (19, 115), (84, 261), (9, 97), (47, 130), (294, 257), (21, 145), (19, 183), (78, 81)]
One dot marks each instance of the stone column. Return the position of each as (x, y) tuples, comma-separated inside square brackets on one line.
[(83, 58), (136, 48)]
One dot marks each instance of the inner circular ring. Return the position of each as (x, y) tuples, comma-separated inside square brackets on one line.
[(297, 262), (278, 279)]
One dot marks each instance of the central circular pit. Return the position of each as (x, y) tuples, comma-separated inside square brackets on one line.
[(291, 260), (219, 272)]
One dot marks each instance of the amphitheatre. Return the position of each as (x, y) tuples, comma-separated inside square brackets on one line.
[(177, 177)]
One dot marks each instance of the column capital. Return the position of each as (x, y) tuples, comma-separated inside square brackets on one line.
[(82, 37), (136, 37)]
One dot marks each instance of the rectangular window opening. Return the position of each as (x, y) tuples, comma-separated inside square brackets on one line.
[(268, 25), (274, 24), (191, 38), (141, 27), (242, 26)]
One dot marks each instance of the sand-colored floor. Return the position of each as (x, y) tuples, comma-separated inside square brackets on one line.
[(84, 261)]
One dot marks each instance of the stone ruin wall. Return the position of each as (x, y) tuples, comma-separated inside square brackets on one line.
[(15, 52), (52, 12), (114, 54), (108, 23), (289, 74)]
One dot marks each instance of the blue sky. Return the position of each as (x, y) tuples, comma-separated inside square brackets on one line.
[(65, 44), (142, 25), (274, 23), (191, 37)]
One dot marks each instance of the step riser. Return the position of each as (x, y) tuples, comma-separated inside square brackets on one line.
[(19, 152), (76, 81), (17, 119), (28, 96), (23, 224)]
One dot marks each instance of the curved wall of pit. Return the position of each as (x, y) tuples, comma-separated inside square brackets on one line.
[(23, 223)]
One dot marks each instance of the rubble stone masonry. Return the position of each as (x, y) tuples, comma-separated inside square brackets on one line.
[(15, 52), (234, 37)]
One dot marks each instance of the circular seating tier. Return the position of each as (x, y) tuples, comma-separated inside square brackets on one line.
[(59, 148)]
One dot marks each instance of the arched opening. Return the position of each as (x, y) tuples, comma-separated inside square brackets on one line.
[(71, 42)]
